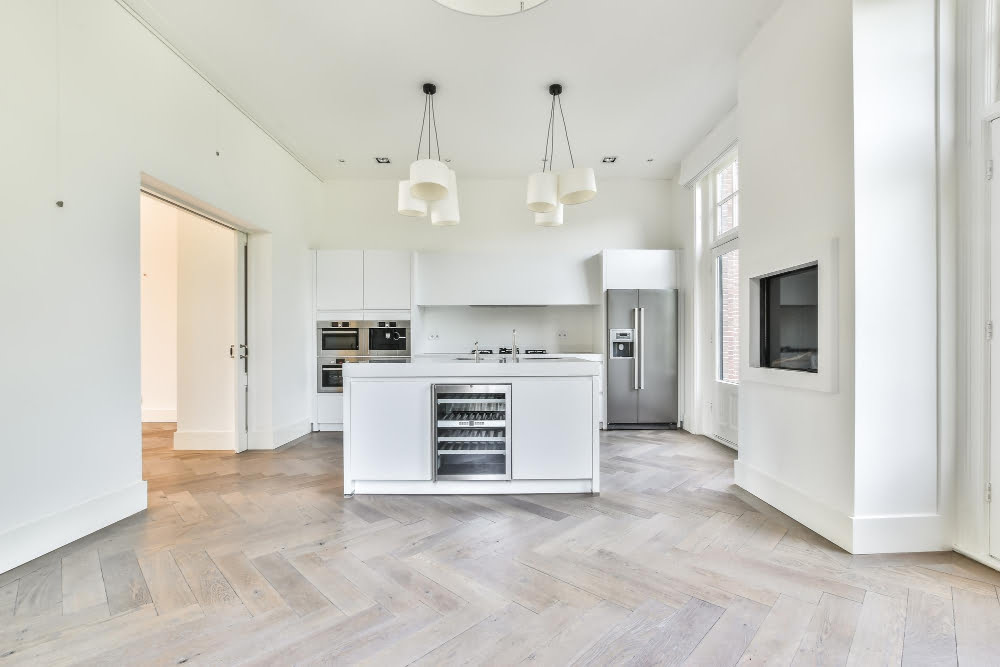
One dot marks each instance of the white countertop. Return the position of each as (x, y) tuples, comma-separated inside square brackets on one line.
[(464, 365)]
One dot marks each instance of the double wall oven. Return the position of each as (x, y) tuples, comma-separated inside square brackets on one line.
[(346, 342)]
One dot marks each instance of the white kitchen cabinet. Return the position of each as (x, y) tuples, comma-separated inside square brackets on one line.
[(387, 280), (330, 409), (390, 435), (640, 269), (553, 429), (340, 279), (507, 279)]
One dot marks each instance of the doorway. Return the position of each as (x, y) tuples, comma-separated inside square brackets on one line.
[(195, 371)]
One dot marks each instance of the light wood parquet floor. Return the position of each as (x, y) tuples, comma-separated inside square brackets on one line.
[(258, 558)]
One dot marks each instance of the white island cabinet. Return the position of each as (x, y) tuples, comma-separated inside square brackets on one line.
[(454, 425)]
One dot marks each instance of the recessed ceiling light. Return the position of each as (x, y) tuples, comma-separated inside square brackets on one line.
[(383, 160), (341, 161), (609, 159)]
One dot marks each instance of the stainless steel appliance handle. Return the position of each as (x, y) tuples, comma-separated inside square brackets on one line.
[(635, 351), (642, 348)]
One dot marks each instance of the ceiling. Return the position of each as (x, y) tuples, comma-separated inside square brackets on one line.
[(338, 81)]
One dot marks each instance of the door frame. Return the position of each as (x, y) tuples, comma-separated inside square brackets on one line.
[(244, 295)]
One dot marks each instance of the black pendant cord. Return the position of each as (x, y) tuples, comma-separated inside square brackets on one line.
[(423, 122), (548, 137), (552, 129), (566, 131), (437, 137)]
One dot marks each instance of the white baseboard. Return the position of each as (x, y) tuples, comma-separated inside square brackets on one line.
[(900, 533), (471, 487), (897, 533), (159, 415), (264, 440), (205, 440), (29, 541), (329, 427), (820, 517), (982, 558)]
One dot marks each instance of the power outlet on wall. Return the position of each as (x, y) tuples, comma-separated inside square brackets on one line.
[(562, 333), (433, 336)]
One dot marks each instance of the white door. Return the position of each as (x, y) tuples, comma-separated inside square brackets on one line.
[(242, 352), (994, 353), (209, 285), (727, 342)]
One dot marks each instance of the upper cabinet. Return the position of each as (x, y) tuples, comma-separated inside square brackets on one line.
[(640, 269), (340, 279), (507, 279), (387, 280), (362, 280)]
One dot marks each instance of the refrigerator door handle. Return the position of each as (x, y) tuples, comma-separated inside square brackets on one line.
[(638, 347), (642, 348)]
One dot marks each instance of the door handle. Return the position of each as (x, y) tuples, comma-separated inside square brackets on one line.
[(246, 351), (636, 351), (642, 348)]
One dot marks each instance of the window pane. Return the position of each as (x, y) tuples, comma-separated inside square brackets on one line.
[(729, 316), (727, 185)]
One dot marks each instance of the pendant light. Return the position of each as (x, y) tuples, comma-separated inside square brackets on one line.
[(444, 212), (543, 187), (554, 218), (429, 177), (548, 191), (408, 204)]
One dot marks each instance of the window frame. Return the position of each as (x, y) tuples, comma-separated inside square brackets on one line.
[(716, 203), (718, 251)]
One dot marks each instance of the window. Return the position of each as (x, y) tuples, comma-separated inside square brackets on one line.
[(789, 320), (728, 272), (725, 207), (727, 198)]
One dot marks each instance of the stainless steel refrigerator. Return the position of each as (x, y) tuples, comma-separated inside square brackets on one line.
[(642, 358)]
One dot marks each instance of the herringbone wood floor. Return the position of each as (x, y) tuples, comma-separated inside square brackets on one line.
[(258, 558)]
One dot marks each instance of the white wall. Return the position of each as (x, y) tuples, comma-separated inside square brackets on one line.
[(206, 327), (796, 181), (895, 153), (625, 214), (91, 100), (158, 262), (456, 328)]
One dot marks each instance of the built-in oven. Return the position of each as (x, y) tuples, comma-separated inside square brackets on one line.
[(339, 339), (330, 373), (388, 338)]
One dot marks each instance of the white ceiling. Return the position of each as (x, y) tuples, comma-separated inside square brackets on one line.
[(340, 79)]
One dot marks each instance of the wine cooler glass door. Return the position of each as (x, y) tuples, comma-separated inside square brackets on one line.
[(471, 432)]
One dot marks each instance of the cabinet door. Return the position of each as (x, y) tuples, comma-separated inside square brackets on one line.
[(387, 280), (339, 279), (330, 409), (552, 424), (390, 430)]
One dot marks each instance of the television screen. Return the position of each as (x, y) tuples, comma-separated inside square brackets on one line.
[(789, 320)]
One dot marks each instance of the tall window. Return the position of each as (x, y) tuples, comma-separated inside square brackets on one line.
[(725, 197)]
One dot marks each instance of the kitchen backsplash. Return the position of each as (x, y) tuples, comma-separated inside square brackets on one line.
[(454, 329)]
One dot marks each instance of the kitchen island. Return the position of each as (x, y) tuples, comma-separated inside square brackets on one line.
[(443, 425)]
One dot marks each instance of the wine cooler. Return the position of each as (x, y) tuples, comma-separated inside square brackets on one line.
[(471, 431)]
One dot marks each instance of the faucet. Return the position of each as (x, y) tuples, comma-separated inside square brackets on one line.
[(476, 352), (513, 348)]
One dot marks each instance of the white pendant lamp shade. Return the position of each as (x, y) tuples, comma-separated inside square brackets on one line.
[(444, 212), (543, 192), (408, 204), (553, 218), (429, 180), (577, 185)]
